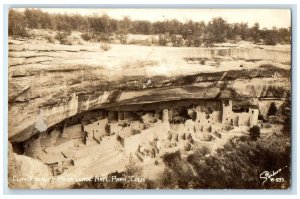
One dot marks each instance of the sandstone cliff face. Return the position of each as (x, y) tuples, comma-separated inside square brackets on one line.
[(66, 80)]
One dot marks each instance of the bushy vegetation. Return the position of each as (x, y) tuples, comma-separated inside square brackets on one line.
[(105, 46), (63, 38), (237, 165), (254, 132), (50, 39), (16, 27), (163, 39), (177, 174), (86, 36), (285, 115), (174, 32)]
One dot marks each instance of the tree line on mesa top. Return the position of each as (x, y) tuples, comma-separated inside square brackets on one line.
[(190, 33)]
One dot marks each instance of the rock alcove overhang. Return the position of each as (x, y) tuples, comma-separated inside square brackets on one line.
[(139, 102), (49, 82), (158, 95)]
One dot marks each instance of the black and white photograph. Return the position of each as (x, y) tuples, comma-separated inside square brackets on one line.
[(149, 98)]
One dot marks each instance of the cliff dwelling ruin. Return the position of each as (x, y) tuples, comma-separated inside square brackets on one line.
[(150, 133)]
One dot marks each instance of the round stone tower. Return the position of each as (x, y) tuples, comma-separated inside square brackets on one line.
[(166, 125)]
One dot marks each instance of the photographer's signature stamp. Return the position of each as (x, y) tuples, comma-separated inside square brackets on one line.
[(266, 175)]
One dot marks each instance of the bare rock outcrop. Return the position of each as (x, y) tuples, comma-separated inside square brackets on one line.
[(25, 172)]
